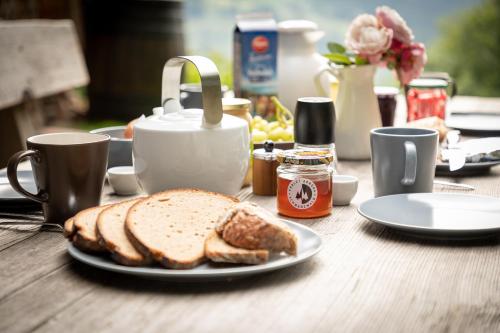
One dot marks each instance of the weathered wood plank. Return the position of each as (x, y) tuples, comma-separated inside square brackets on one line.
[(367, 278), (30, 260), (41, 57), (10, 235)]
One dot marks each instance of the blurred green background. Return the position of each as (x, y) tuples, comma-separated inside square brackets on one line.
[(462, 36)]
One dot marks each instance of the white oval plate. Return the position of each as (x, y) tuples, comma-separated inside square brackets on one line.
[(441, 215), (309, 244)]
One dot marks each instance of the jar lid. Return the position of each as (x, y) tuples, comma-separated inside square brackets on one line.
[(234, 104), (314, 122), (268, 153), (428, 83), (305, 157)]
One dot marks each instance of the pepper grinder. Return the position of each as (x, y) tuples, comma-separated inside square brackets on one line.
[(314, 125), (264, 168)]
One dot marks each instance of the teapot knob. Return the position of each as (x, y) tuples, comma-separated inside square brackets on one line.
[(210, 86)]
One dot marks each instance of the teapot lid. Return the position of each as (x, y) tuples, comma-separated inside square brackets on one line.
[(185, 120)]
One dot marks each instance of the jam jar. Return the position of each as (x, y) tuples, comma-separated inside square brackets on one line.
[(304, 183), (426, 98)]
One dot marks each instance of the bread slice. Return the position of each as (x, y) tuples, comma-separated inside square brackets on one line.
[(84, 225), (251, 227), (111, 235), (172, 226), (217, 250), (69, 228)]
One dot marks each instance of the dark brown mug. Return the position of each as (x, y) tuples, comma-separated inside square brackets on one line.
[(69, 171)]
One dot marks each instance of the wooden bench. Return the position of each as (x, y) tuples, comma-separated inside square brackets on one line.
[(38, 58)]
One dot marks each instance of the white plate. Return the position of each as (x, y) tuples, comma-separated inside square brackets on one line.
[(309, 245), (441, 215), (480, 122)]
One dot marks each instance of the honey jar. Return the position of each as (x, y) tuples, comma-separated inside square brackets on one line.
[(304, 183)]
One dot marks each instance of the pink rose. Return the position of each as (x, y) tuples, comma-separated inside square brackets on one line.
[(367, 38), (411, 62), (391, 19)]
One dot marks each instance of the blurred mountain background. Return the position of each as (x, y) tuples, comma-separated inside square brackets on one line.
[(462, 36)]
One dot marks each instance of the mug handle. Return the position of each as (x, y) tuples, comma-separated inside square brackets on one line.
[(12, 175), (410, 164)]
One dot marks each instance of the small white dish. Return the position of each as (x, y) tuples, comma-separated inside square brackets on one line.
[(344, 189), (123, 180)]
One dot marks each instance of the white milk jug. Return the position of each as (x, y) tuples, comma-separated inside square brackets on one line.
[(302, 72)]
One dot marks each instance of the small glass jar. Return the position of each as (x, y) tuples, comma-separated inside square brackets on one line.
[(426, 98), (240, 107), (304, 183), (264, 169)]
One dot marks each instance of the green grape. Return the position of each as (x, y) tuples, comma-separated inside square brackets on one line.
[(272, 125), (259, 136), (288, 134), (277, 133), (257, 119)]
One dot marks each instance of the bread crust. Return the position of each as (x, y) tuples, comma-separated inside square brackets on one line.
[(159, 256), (248, 226), (80, 240), (113, 248), (69, 228), (217, 250)]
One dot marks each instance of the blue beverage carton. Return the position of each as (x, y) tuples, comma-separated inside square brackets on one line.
[(255, 46)]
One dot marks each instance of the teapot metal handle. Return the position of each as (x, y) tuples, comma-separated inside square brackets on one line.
[(210, 86)]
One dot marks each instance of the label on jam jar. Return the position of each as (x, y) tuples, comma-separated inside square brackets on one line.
[(302, 193)]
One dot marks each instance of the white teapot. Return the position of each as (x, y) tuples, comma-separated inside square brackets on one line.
[(192, 148)]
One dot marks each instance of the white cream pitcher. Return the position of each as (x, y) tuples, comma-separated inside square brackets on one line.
[(357, 111), (302, 72)]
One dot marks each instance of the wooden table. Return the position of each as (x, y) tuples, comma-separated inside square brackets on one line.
[(366, 278)]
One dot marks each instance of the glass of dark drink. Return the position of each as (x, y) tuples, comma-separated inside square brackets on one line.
[(387, 104)]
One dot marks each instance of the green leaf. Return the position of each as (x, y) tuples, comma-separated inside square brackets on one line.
[(338, 58), (360, 60), (336, 48)]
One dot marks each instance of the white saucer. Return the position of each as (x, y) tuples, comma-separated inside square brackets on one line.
[(441, 215), (309, 245)]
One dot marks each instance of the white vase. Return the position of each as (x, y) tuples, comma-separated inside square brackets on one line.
[(357, 111)]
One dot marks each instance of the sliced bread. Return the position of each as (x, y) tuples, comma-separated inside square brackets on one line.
[(172, 226), (217, 250), (84, 225), (246, 225), (111, 235), (69, 228)]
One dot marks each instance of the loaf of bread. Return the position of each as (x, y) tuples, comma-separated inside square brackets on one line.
[(248, 226), (218, 250), (111, 235), (172, 226)]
